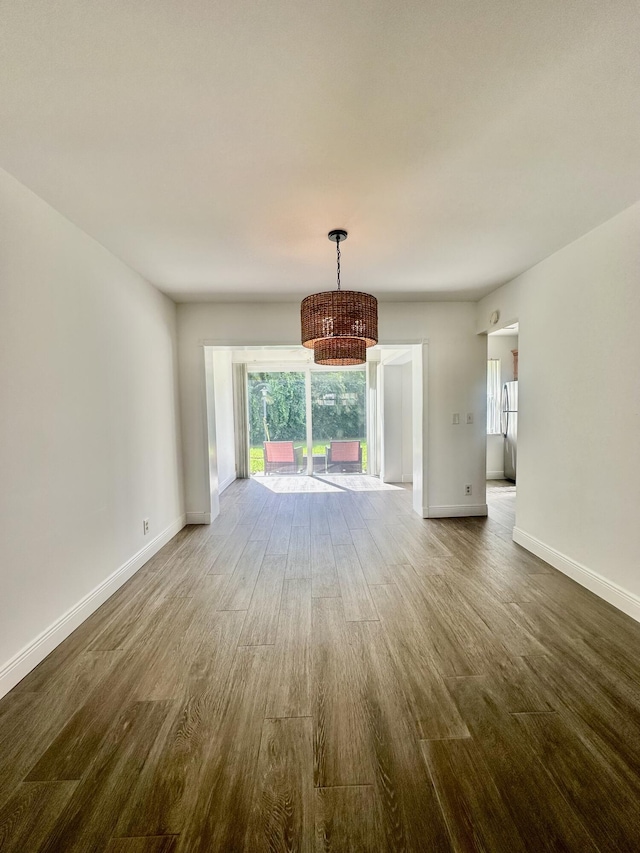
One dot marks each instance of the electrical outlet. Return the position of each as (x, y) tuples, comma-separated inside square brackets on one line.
[(469, 417), (467, 489), (455, 419), (145, 526)]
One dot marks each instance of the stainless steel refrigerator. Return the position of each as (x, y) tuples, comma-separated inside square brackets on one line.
[(510, 428)]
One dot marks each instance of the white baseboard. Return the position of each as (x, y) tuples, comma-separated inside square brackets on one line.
[(621, 598), (495, 475), (456, 511), (15, 669), (223, 484), (198, 518)]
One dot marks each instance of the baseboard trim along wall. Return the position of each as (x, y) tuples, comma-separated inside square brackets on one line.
[(36, 651), (226, 482), (456, 511), (621, 598), (495, 475), (198, 518)]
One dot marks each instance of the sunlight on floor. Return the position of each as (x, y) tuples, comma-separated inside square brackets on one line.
[(359, 483), (324, 483), (295, 484)]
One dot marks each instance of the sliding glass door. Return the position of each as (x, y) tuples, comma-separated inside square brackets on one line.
[(303, 422)]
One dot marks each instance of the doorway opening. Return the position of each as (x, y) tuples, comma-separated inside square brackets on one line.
[(350, 429), (502, 424)]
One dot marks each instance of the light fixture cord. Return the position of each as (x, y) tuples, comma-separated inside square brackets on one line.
[(338, 257)]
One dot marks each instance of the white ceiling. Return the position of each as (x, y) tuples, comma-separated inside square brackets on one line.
[(211, 145)]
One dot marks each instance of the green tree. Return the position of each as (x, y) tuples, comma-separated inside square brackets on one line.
[(285, 406), (337, 405)]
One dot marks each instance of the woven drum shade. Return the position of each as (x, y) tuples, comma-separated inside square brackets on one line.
[(347, 319), (340, 351)]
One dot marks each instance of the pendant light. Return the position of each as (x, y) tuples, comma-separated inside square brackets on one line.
[(339, 325)]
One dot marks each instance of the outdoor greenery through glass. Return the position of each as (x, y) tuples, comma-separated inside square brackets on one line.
[(277, 410), (338, 410)]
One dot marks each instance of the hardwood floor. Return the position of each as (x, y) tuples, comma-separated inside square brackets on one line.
[(324, 672), (501, 497)]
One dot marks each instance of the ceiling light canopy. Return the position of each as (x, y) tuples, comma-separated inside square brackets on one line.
[(339, 325)]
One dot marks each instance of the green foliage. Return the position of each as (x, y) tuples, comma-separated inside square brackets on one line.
[(285, 407), (256, 458), (337, 405)]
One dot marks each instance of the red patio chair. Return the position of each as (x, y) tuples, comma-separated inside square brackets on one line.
[(281, 457), (344, 457)]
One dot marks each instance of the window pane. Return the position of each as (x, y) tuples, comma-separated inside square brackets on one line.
[(277, 422), (338, 406)]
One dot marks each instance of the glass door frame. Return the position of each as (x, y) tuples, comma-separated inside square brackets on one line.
[(309, 420), (308, 369)]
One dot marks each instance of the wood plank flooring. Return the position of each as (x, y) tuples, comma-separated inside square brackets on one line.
[(324, 672)]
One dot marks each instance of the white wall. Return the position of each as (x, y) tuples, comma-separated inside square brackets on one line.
[(407, 407), (456, 383), (223, 388), (499, 346), (390, 389), (90, 442), (579, 407), (397, 444)]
